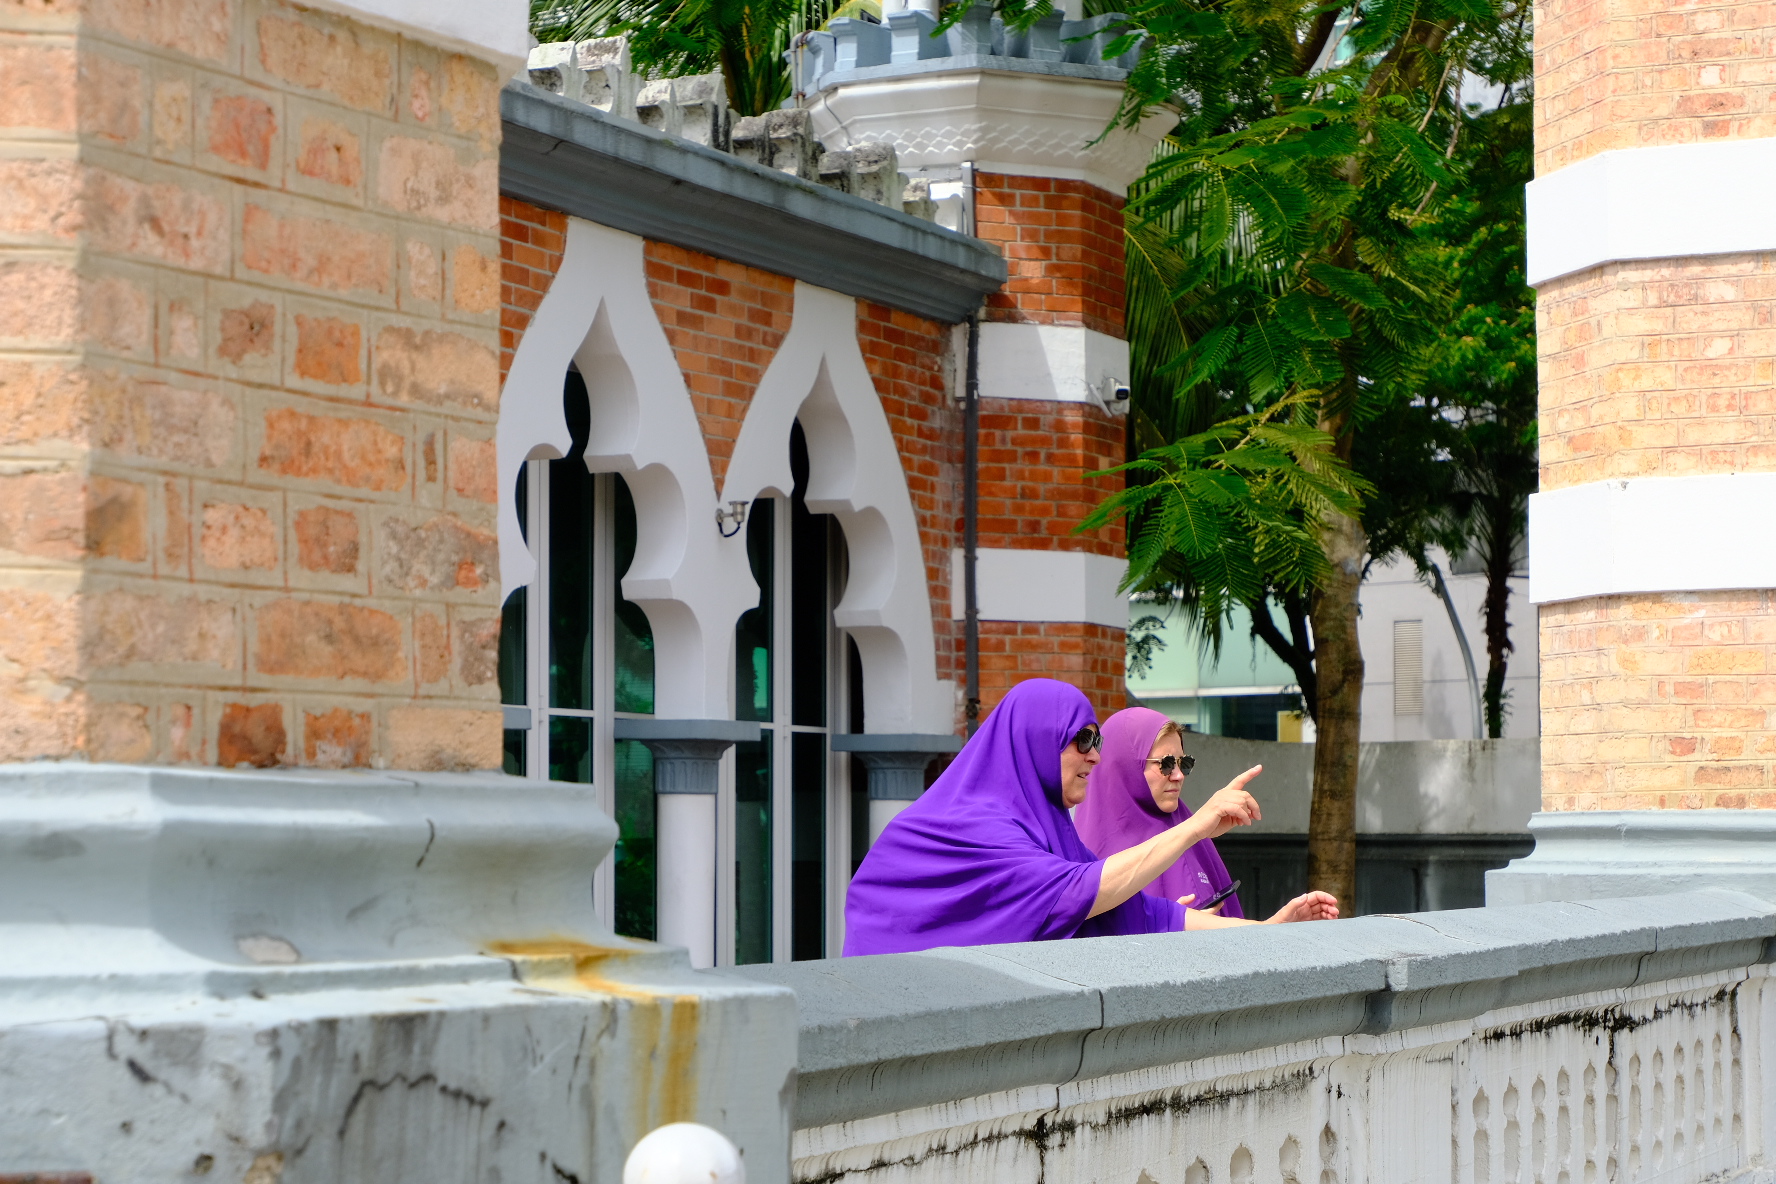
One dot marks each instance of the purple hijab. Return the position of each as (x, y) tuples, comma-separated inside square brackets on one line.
[(1119, 812), (988, 854)]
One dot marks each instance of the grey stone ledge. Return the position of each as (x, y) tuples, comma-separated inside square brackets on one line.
[(569, 157), (935, 743), (888, 1032), (1619, 854), (733, 731)]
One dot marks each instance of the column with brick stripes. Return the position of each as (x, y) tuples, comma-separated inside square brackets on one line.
[(1650, 550), (1002, 131)]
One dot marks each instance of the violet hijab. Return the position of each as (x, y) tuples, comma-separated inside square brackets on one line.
[(988, 854), (1119, 813)]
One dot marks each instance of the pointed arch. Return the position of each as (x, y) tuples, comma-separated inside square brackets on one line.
[(692, 583), (854, 473)]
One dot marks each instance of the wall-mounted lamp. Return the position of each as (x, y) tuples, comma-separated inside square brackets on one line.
[(735, 513)]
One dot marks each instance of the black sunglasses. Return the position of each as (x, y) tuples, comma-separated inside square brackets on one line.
[(1168, 763), (1089, 738)]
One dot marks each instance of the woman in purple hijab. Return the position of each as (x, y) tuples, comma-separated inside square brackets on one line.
[(988, 854), (1136, 794)]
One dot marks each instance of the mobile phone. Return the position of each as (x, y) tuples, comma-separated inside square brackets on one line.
[(1217, 898)]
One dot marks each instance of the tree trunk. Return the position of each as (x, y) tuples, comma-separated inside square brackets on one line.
[(1338, 667), (1502, 536)]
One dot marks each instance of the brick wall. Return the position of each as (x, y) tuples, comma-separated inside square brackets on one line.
[(1088, 656), (1656, 368), (248, 294), (1063, 244), (905, 355), (531, 242), (1659, 701), (1626, 73), (725, 322), (1034, 488)]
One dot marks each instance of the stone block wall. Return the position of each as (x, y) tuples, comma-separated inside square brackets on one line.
[(1629, 73), (1659, 702), (1656, 368), (249, 295)]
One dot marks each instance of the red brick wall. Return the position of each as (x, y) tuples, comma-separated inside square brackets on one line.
[(1063, 243), (725, 322), (905, 356), (531, 242), (1088, 656), (1034, 457)]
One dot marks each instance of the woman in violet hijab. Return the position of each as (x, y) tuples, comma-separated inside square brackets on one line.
[(988, 854), (1136, 794)]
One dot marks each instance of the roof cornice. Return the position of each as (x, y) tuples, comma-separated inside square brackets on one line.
[(570, 157)]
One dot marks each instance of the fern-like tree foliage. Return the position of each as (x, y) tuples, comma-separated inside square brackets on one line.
[(1289, 220)]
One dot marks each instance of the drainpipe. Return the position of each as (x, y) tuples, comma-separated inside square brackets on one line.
[(971, 491)]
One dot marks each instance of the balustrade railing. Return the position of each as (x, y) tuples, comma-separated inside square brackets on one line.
[(1559, 1043)]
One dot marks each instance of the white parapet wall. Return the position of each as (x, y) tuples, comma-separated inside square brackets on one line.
[(292, 977), (1550, 1042)]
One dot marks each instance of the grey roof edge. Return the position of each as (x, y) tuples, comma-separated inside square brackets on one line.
[(933, 743), (734, 730), (867, 1051), (569, 157)]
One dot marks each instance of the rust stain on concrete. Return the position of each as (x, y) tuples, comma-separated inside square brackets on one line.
[(663, 1024)]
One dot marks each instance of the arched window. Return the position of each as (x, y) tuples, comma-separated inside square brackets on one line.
[(788, 826), (579, 656)]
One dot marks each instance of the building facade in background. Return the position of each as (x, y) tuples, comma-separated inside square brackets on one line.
[(1416, 684)]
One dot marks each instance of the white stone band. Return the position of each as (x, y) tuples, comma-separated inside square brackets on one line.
[(497, 31), (1652, 203), (1063, 363), (1043, 586), (1652, 534)]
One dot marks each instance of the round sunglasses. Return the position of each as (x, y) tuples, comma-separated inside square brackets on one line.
[(1169, 764), (1089, 738)]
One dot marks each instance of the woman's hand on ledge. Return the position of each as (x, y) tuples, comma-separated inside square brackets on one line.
[(1309, 906)]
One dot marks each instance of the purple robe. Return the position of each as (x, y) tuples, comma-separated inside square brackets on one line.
[(1119, 813), (988, 854)]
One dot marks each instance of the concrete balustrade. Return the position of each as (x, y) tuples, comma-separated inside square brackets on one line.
[(335, 977), (1611, 1040)]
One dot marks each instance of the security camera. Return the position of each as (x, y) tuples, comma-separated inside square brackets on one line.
[(1119, 392)]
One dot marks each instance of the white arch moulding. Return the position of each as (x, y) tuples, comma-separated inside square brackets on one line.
[(818, 375), (692, 583)]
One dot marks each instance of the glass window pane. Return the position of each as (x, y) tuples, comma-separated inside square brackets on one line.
[(511, 647), (570, 561), (635, 844), (860, 836), (752, 850), (570, 749), (807, 844), (752, 651), (810, 612), (513, 761), (634, 634)]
